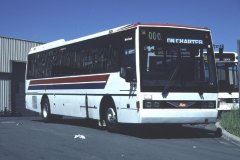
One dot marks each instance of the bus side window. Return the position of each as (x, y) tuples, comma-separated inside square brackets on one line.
[(127, 56), (128, 69)]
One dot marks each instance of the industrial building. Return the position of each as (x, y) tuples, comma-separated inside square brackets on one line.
[(13, 58)]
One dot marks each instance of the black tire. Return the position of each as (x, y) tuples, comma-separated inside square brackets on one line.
[(45, 110), (111, 118), (218, 132)]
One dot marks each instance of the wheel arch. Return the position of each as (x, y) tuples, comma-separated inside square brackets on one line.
[(44, 96), (105, 102)]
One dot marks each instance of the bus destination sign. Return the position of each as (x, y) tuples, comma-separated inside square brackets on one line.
[(184, 41)]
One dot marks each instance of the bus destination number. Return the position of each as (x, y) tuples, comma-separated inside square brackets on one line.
[(156, 36)]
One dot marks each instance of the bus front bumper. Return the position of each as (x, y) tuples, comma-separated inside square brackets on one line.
[(182, 116)]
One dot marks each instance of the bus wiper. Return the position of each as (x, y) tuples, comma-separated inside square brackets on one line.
[(165, 91), (230, 89), (201, 94), (201, 89)]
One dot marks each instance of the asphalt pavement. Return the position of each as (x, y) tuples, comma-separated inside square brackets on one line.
[(24, 138)]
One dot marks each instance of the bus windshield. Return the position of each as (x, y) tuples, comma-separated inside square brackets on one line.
[(172, 60)]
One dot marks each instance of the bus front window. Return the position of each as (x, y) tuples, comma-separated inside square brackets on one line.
[(227, 76)]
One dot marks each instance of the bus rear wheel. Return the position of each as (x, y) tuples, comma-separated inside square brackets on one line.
[(46, 115), (111, 119)]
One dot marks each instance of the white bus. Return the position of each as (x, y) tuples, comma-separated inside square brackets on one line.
[(227, 72), (140, 73)]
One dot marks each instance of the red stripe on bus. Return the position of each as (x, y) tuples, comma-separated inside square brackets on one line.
[(71, 79)]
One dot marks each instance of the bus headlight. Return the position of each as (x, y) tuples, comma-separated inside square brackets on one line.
[(156, 104), (151, 104), (148, 104)]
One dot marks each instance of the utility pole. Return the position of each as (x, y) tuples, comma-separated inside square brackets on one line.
[(238, 50)]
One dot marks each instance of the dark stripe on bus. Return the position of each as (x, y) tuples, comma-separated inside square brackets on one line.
[(79, 94)]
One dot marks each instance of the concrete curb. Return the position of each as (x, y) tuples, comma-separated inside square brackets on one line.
[(228, 136)]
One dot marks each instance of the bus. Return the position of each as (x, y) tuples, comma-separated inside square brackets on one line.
[(227, 72), (135, 74)]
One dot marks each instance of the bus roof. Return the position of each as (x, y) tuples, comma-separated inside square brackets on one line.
[(62, 42)]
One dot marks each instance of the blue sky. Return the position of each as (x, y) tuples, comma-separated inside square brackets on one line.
[(49, 20)]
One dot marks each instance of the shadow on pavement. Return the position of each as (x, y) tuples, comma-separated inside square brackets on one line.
[(167, 131), (147, 131)]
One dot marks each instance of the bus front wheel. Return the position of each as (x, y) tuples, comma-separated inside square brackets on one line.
[(111, 119)]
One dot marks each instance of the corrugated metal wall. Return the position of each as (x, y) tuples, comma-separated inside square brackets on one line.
[(11, 50), (5, 94)]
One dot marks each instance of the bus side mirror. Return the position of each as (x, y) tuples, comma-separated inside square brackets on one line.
[(128, 74)]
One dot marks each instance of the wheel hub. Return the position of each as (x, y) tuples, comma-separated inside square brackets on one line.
[(111, 116), (45, 112)]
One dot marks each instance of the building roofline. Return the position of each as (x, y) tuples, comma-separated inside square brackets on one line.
[(7, 37)]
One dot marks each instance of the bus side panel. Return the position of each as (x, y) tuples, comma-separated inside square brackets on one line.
[(68, 105), (55, 104), (33, 103), (127, 111), (94, 106), (128, 116)]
